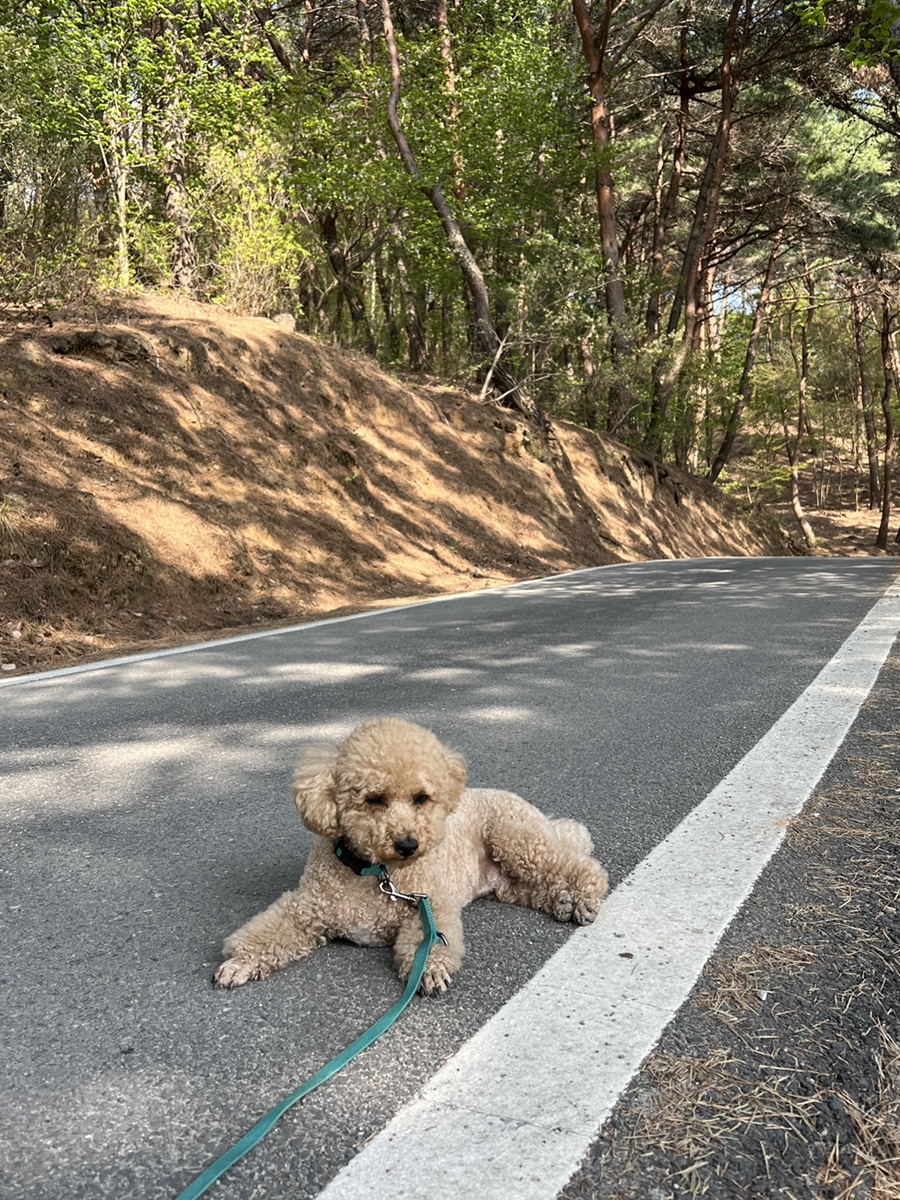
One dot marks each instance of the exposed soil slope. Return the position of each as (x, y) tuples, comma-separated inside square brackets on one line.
[(169, 470)]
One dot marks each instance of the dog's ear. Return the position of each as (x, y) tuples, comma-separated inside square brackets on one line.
[(314, 790), (456, 775)]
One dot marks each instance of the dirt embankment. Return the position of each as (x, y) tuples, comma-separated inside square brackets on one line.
[(170, 471)]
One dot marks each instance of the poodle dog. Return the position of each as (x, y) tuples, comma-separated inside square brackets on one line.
[(391, 793)]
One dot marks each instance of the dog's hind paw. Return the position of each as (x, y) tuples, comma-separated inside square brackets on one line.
[(235, 971), (590, 890), (577, 903), (585, 911), (563, 905)]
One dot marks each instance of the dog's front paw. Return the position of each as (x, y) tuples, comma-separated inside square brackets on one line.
[(235, 971), (443, 963), (436, 978)]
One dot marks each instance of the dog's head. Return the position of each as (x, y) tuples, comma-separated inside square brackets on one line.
[(386, 790)]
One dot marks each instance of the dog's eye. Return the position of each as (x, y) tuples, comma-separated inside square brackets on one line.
[(376, 801), (421, 799)]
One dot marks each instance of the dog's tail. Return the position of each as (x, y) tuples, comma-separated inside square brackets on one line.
[(572, 835)]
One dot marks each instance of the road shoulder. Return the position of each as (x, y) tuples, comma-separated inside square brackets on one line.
[(781, 1076)]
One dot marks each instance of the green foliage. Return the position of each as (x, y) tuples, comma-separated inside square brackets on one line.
[(874, 33), (850, 177), (39, 276), (84, 107), (260, 251), (132, 128)]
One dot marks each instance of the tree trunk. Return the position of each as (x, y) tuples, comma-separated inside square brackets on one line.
[(888, 362), (707, 208), (350, 288), (365, 35), (114, 162), (174, 130), (264, 14), (446, 333), (183, 255), (666, 205), (620, 418), (459, 186), (793, 451), (734, 419), (865, 396), (686, 293), (686, 299), (415, 333), (120, 185), (387, 309)]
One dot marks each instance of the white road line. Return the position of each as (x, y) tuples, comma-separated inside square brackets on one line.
[(514, 1111)]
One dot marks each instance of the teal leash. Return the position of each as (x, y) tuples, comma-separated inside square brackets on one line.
[(250, 1139)]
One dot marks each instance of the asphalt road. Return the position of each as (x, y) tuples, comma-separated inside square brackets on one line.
[(146, 813)]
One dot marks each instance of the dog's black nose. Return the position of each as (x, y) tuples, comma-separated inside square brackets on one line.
[(406, 846)]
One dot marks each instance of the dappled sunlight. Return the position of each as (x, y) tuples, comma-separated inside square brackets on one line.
[(120, 680), (172, 531), (498, 712), (295, 736), (148, 813), (446, 675), (331, 672), (493, 663), (238, 474), (620, 596), (500, 691), (154, 766), (567, 650), (676, 649)]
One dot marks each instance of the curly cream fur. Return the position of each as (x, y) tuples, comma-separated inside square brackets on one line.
[(396, 795)]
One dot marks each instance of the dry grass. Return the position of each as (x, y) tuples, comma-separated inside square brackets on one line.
[(705, 1111), (873, 1171), (700, 1106), (742, 985), (878, 1127)]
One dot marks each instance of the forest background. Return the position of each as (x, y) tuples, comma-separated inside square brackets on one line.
[(675, 222)]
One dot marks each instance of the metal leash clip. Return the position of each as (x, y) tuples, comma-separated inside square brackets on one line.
[(389, 889)]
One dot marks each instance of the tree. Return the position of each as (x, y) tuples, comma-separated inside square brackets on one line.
[(458, 245), (793, 446), (743, 394), (428, 182), (890, 389)]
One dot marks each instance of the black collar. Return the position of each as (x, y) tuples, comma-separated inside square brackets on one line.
[(351, 859)]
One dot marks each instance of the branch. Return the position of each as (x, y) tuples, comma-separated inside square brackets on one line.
[(263, 15)]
